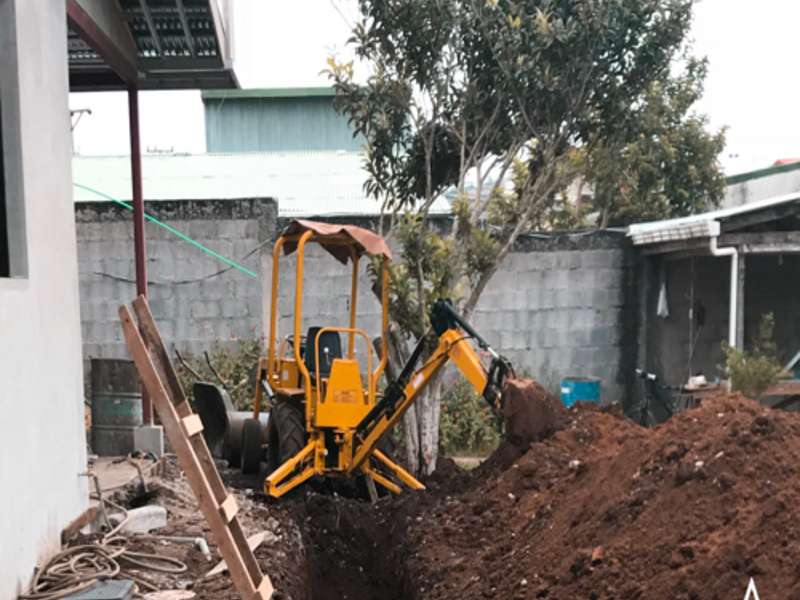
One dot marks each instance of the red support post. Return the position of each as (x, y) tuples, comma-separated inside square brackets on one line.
[(138, 220)]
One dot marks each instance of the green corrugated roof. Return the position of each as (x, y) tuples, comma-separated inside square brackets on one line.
[(305, 184), (760, 173), (311, 92)]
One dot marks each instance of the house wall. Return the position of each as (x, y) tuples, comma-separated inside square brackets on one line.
[(42, 447), (195, 298), (566, 306), (668, 339), (767, 289)]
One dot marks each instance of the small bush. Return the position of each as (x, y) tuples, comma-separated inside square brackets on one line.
[(235, 360), (466, 423), (752, 372)]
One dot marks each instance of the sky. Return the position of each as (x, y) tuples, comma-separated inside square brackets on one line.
[(751, 87)]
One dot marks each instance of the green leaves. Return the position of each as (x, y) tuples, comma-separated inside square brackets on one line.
[(470, 91), (753, 371), (663, 164)]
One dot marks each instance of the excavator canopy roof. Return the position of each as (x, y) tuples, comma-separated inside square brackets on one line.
[(336, 239)]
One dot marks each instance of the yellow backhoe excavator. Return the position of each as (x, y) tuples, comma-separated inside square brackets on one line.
[(323, 420)]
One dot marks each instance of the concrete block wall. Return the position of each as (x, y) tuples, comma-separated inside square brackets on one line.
[(326, 298), (195, 298), (564, 305), (561, 305)]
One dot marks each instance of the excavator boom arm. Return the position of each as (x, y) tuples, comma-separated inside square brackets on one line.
[(400, 395)]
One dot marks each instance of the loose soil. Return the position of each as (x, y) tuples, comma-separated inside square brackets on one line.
[(590, 506)]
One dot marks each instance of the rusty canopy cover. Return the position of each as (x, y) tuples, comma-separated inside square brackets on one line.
[(336, 239)]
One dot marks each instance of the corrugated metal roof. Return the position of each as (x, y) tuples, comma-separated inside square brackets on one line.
[(305, 184), (701, 225), (311, 92)]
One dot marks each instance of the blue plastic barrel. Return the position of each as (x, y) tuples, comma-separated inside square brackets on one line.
[(580, 388)]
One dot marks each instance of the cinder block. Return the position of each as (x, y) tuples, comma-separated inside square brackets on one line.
[(205, 309), (149, 438), (234, 309), (600, 337)]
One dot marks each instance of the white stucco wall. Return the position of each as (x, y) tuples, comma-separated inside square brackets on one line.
[(42, 447), (772, 186)]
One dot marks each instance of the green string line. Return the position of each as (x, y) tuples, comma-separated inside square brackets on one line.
[(171, 230)]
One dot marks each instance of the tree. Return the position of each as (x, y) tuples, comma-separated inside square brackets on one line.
[(460, 90), (669, 168)]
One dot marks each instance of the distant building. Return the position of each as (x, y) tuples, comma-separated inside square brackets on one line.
[(780, 179), (269, 120)]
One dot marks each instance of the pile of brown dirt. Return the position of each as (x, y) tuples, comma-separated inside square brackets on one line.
[(596, 507), (606, 509)]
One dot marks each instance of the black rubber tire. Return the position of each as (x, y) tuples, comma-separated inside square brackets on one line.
[(273, 446), (233, 446), (251, 446), (290, 429)]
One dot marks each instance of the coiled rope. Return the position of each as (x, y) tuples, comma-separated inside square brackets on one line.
[(77, 568)]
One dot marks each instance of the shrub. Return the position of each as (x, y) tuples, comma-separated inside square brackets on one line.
[(752, 372), (466, 423), (235, 360)]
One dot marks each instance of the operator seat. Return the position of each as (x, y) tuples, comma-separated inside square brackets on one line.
[(330, 348)]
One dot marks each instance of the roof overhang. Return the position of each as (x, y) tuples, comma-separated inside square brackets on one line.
[(154, 44), (732, 226)]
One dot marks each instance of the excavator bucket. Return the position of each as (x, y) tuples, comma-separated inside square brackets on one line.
[(530, 413)]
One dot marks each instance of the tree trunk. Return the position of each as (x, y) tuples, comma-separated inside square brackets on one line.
[(428, 406), (421, 421), (398, 355)]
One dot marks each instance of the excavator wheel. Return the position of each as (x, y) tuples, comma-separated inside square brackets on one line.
[(286, 423), (251, 446), (273, 452)]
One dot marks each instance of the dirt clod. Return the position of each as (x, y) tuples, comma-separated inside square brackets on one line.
[(530, 413)]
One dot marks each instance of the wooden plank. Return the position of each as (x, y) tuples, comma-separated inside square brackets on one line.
[(757, 217), (192, 425), (166, 371), (786, 402), (699, 245), (784, 388), (228, 509), (769, 249), (152, 338), (243, 579), (265, 590), (75, 526), (253, 542)]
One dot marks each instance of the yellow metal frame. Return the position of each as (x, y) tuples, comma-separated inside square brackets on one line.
[(356, 456)]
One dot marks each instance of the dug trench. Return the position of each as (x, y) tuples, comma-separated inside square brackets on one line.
[(591, 506)]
